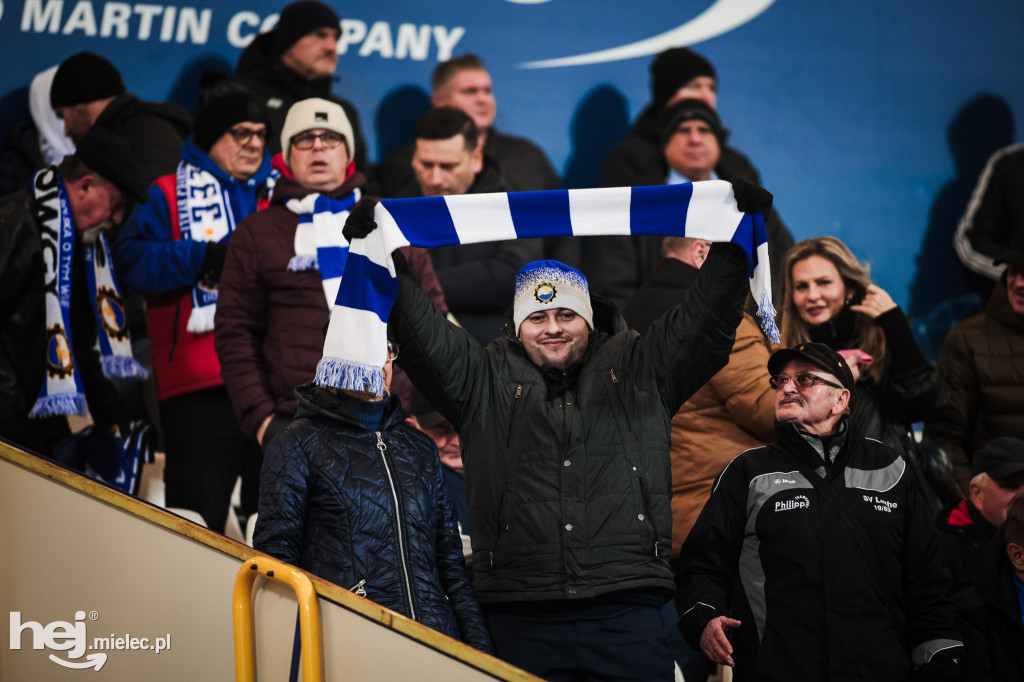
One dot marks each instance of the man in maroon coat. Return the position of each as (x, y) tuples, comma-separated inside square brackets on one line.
[(279, 281)]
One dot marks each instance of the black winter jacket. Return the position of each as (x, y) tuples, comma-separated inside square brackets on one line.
[(155, 132), (23, 333), (992, 627), (769, 550), (569, 488), (368, 511)]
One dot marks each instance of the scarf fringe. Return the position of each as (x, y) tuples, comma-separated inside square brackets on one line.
[(123, 366), (766, 311), (60, 404), (352, 376), (201, 319), (298, 263)]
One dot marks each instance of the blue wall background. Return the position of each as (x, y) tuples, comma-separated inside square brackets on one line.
[(869, 121)]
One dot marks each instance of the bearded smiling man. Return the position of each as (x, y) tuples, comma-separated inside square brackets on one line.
[(819, 551), (564, 431)]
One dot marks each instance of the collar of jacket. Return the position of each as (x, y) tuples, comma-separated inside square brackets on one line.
[(791, 439), (996, 581), (288, 188), (317, 401), (191, 153), (999, 306)]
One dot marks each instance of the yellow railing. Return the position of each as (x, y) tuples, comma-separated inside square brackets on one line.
[(309, 617)]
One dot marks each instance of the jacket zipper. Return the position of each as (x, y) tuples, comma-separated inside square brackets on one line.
[(358, 588), (512, 417), (618, 395), (382, 446)]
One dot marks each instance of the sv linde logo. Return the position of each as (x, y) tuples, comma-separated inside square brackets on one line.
[(798, 502), (71, 637)]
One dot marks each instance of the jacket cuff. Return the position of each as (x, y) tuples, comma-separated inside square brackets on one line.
[(693, 620)]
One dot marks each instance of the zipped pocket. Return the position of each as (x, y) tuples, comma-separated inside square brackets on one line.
[(358, 589), (645, 505)]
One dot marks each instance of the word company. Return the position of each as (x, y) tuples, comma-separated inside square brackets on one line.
[(182, 24)]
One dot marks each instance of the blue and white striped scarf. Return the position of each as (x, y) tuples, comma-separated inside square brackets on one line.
[(355, 349), (319, 244), (204, 215)]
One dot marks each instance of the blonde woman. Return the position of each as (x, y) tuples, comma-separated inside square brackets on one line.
[(829, 298)]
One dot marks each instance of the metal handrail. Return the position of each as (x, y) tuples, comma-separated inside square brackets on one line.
[(309, 617)]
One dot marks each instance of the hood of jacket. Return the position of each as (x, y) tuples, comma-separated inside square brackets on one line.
[(318, 401), (260, 59), (125, 106), (999, 306)]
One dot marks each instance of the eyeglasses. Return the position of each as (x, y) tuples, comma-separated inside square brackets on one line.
[(803, 380), (242, 135), (392, 351), (328, 139)]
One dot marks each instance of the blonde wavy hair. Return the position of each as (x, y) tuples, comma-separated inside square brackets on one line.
[(867, 336)]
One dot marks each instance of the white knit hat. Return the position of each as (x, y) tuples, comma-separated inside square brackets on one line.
[(550, 284), (316, 113)]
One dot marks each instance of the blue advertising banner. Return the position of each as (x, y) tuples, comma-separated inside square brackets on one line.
[(869, 121)]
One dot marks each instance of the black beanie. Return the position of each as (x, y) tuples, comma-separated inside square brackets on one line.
[(226, 105), (108, 155), (672, 69), (84, 77), (689, 110), (300, 18)]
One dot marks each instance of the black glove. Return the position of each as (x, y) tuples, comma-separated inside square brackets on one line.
[(751, 197), (213, 261), (360, 220)]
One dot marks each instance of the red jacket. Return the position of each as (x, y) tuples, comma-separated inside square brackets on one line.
[(182, 361)]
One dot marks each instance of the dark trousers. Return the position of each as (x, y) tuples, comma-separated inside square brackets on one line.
[(206, 453), (591, 643)]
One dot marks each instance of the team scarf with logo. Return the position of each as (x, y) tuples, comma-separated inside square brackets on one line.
[(204, 215), (62, 391), (319, 244), (355, 349)]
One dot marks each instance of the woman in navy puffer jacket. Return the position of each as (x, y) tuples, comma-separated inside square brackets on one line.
[(350, 493)]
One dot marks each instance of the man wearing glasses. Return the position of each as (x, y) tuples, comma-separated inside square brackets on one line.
[(172, 250), (284, 268), (816, 558)]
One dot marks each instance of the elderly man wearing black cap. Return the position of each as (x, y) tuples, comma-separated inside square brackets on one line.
[(88, 91), (295, 61), (818, 551), (59, 292), (965, 527), (172, 251)]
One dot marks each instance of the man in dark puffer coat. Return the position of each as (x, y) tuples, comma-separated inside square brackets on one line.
[(352, 494)]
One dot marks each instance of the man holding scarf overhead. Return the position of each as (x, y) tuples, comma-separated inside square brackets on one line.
[(565, 425), (172, 250), (59, 293)]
